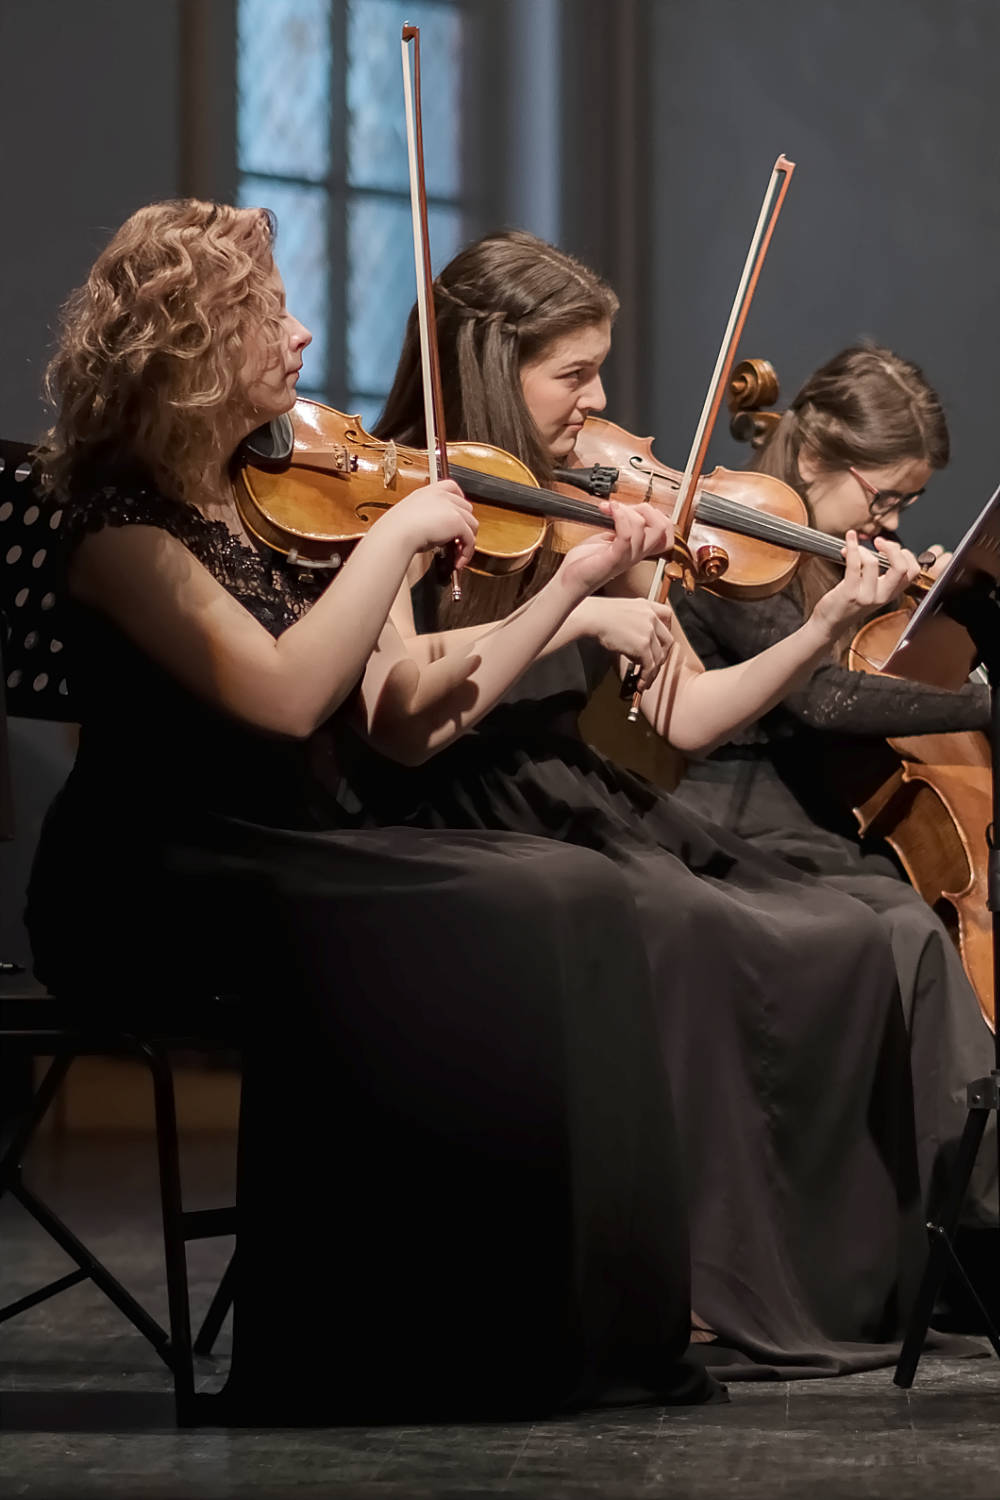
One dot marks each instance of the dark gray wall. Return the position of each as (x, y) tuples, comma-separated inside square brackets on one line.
[(670, 115), (891, 227), (89, 125)]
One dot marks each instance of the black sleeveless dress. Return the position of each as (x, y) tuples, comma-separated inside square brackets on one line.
[(780, 1026), (458, 1184)]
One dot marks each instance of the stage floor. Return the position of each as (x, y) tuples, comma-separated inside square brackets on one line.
[(86, 1410)]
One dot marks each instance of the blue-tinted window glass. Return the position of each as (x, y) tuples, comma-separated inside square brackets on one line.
[(302, 254), (376, 140), (381, 283), (283, 87)]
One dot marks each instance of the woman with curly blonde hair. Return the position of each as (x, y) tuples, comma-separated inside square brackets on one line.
[(425, 1012), (154, 347)]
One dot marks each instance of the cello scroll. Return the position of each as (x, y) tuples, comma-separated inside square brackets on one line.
[(752, 388)]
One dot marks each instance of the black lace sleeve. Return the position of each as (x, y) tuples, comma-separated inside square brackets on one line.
[(275, 593), (723, 631)]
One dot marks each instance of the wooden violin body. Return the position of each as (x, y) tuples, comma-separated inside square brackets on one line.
[(754, 568), (315, 504), (340, 480)]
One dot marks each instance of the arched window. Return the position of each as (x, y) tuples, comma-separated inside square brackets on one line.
[(321, 140)]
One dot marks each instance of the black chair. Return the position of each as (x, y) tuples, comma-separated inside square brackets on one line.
[(37, 676)]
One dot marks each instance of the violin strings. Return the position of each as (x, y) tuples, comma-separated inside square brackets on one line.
[(528, 497), (735, 516), (732, 515)]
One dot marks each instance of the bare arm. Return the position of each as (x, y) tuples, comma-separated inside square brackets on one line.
[(414, 704), (434, 645), (161, 596)]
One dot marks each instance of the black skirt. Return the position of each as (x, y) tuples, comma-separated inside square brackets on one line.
[(459, 1190), (780, 1026)]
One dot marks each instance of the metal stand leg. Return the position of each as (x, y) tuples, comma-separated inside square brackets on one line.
[(983, 1098)]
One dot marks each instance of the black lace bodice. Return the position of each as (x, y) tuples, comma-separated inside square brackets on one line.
[(146, 741), (835, 700), (274, 593)]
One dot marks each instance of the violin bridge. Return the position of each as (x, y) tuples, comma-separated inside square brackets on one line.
[(389, 465)]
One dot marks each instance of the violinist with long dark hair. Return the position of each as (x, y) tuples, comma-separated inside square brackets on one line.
[(780, 1020)]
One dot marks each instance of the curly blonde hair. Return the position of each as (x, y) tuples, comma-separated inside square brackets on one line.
[(152, 346)]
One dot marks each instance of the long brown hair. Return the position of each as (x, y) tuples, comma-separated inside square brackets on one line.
[(151, 347), (498, 305), (867, 407)]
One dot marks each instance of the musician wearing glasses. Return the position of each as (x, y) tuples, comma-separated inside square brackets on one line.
[(859, 442)]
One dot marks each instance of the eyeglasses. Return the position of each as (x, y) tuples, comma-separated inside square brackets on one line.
[(884, 502)]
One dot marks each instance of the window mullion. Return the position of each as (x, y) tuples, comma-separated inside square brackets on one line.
[(337, 207)]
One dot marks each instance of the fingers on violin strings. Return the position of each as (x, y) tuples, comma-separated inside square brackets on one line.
[(851, 554), (657, 535), (629, 528), (871, 574)]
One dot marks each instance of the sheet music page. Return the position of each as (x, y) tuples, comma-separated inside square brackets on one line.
[(935, 647)]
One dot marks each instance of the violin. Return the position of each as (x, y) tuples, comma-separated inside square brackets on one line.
[(930, 797), (759, 522), (311, 489), (314, 485)]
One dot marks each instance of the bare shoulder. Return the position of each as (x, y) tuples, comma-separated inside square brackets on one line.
[(129, 561)]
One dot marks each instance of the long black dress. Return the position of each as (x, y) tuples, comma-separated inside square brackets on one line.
[(785, 785), (458, 1187), (780, 1023)]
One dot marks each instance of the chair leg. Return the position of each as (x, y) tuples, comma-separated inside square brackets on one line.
[(216, 1315), (91, 1268), (10, 1162), (182, 1357)]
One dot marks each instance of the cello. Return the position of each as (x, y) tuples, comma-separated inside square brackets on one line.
[(930, 797)]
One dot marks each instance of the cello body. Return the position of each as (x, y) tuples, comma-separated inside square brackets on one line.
[(934, 811)]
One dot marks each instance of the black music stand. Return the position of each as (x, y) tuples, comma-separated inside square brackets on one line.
[(957, 626), (6, 800), (6, 797)]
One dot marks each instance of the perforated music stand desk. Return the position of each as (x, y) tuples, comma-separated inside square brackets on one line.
[(6, 799)]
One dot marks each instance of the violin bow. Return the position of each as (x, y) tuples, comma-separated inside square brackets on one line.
[(770, 208), (437, 452)]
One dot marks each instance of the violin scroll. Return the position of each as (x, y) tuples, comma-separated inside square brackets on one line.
[(754, 385), (711, 563)]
